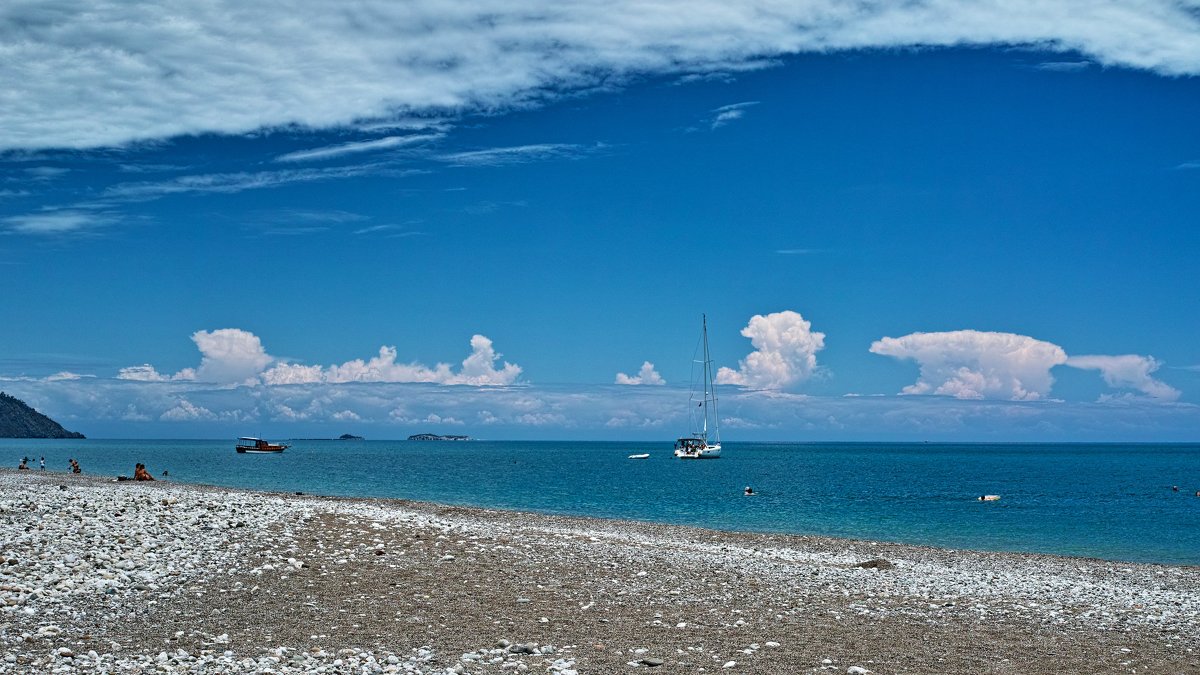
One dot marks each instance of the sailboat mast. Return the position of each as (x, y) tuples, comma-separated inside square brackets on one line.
[(708, 385), (707, 379)]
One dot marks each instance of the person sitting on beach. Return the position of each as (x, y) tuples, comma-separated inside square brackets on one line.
[(23, 466), (140, 473)]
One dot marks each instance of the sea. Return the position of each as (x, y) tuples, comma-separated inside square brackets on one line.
[(1111, 501)]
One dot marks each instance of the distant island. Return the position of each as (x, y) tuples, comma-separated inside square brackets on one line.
[(437, 437), (343, 437), (18, 420)]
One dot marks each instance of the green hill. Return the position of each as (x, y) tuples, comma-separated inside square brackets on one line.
[(18, 420)]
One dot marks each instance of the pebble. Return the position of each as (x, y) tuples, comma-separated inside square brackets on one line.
[(109, 545)]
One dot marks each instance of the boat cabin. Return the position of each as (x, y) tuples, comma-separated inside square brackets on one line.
[(691, 444)]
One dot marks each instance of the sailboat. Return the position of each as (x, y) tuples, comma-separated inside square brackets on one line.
[(699, 445)]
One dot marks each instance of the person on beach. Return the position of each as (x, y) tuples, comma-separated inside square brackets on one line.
[(75, 466), (23, 466), (140, 473), (42, 463)]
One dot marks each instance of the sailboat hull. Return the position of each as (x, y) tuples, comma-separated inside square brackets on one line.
[(708, 452)]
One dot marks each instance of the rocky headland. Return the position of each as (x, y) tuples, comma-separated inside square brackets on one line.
[(18, 420)]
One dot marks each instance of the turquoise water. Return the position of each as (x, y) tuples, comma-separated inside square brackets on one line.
[(1109, 501)]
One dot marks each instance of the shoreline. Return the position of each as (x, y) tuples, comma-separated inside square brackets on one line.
[(828, 540), (149, 566)]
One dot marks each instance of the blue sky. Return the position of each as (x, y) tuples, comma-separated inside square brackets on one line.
[(917, 221)]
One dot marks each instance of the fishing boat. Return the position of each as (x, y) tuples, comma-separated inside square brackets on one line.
[(642, 455), (702, 410), (248, 445)]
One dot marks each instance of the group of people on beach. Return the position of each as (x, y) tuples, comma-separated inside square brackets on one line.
[(24, 465), (139, 469), (139, 473)]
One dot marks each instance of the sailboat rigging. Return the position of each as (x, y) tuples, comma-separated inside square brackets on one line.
[(699, 445)]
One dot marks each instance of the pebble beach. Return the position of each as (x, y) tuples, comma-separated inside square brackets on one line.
[(101, 576)]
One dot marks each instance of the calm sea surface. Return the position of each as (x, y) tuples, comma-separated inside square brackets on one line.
[(1110, 501)]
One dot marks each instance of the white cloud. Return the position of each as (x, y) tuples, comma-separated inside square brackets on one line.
[(1064, 66), (46, 172), (400, 416), (107, 407), (78, 77), (147, 373), (328, 152), (240, 181), (230, 356), (970, 364), (519, 154), (56, 222), (478, 369), (647, 375), (63, 375), (785, 352), (729, 113), (186, 411), (1127, 371)]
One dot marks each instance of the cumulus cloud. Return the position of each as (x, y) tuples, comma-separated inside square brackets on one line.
[(478, 369), (83, 76), (1127, 371), (106, 407), (785, 352), (970, 364), (186, 411), (147, 373), (647, 375), (64, 375), (230, 356)]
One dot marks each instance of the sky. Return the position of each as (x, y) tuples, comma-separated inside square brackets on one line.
[(929, 220)]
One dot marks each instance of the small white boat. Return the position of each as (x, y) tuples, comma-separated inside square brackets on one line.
[(698, 445), (644, 455), (989, 498)]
